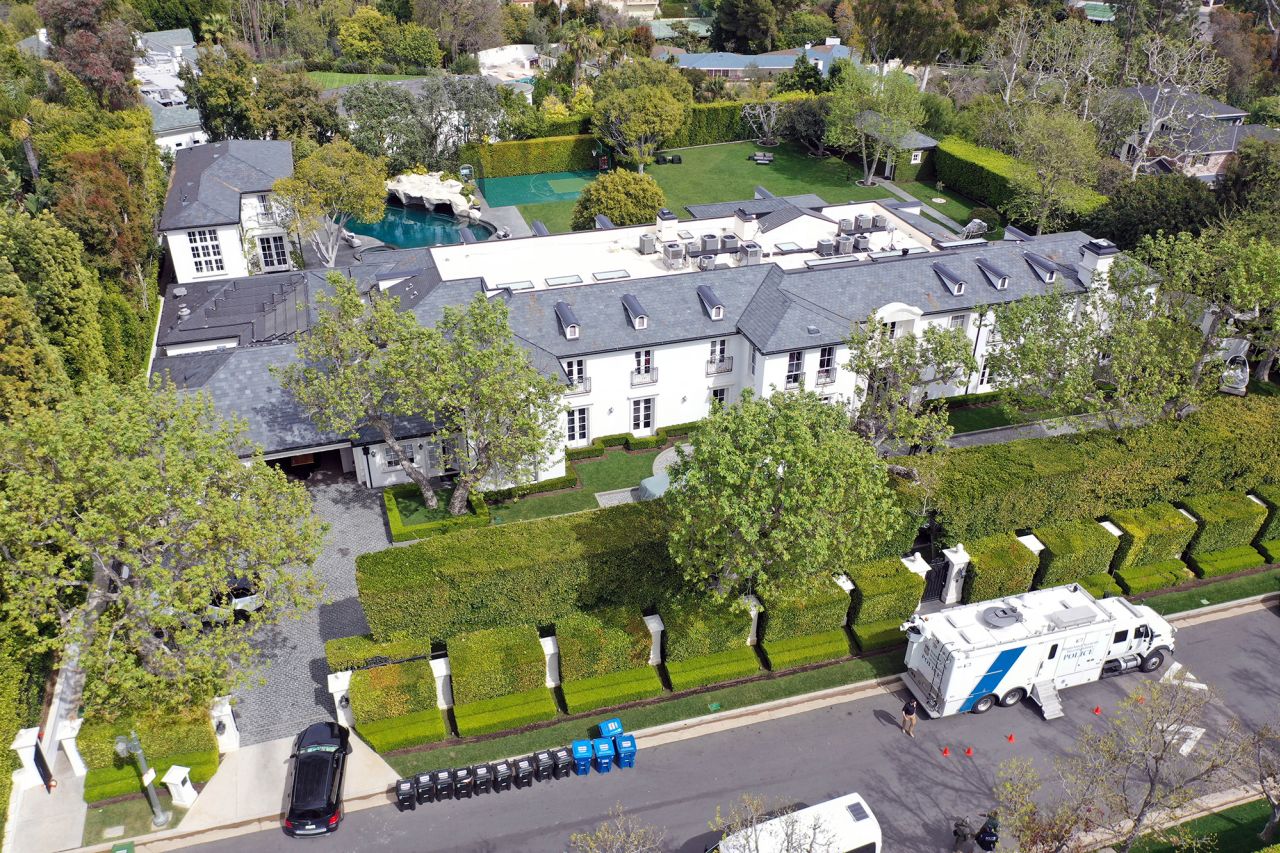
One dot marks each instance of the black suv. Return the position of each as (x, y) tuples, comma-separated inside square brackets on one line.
[(316, 772)]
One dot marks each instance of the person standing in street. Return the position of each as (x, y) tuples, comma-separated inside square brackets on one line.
[(909, 716)]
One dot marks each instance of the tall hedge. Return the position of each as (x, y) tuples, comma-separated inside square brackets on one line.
[(1022, 484), (167, 740), (696, 628), (987, 175), (1227, 520), (1000, 565), (709, 124), (804, 611), (594, 644), (884, 591), (392, 690), (533, 572), (1074, 551), (496, 662), (1156, 533), (531, 156), (1271, 497)]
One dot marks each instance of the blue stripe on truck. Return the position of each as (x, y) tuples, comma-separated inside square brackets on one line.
[(995, 673)]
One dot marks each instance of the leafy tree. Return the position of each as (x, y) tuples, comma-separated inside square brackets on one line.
[(416, 47), (328, 188), (872, 114), (465, 26), (620, 833), (391, 121), (96, 46), (643, 72), (742, 496), (222, 91), (625, 197), (1251, 181), (845, 22), (1151, 204), (915, 31), (804, 76), (801, 28), (287, 105), (127, 511), (366, 36), (805, 121), (635, 121), (745, 26), (1060, 149), (1263, 749), (31, 373), (897, 372)]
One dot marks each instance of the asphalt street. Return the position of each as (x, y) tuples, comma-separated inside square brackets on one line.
[(914, 790)]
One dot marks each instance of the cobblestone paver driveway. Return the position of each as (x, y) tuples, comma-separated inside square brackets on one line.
[(296, 689)]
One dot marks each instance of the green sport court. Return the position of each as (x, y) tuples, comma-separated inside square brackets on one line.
[(534, 189)]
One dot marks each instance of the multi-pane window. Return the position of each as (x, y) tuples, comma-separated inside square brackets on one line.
[(718, 348), (577, 425), (795, 368), (433, 456), (393, 457), (753, 361), (206, 254), (826, 365), (576, 370), (959, 321), (264, 206), (642, 414), (644, 360), (984, 373), (274, 252), (717, 395)]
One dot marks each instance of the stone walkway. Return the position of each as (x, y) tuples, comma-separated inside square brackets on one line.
[(906, 196)]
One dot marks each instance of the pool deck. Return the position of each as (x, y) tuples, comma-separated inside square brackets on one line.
[(505, 217)]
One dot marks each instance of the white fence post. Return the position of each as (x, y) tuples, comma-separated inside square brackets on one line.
[(67, 740), (340, 689), (655, 626), (444, 681), (957, 568), (551, 651)]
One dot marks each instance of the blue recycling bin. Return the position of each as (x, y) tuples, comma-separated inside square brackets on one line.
[(626, 745), (582, 754), (611, 728), (604, 750)]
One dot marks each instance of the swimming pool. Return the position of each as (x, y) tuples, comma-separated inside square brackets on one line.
[(533, 189), (410, 227)]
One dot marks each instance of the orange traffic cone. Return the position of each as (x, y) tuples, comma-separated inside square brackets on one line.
[(1097, 709), (946, 751), (1012, 739), (968, 751)]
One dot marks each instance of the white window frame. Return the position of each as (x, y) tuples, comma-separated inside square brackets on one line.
[(917, 157), (576, 370), (984, 373), (753, 361), (273, 246), (795, 369), (719, 350), (959, 321), (717, 312), (642, 414), (578, 424), (571, 332), (644, 362), (206, 251)]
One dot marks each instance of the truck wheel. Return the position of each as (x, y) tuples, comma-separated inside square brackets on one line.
[(1153, 661), (983, 705), (1013, 697)]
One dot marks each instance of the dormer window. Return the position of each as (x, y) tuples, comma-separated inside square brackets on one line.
[(717, 312), (953, 282), (1002, 283), (998, 278), (1044, 268), (568, 321), (710, 302), (635, 311), (571, 331)]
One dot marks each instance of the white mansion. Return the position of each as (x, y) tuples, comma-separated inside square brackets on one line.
[(647, 325)]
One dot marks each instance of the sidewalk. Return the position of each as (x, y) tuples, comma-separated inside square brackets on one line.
[(52, 820)]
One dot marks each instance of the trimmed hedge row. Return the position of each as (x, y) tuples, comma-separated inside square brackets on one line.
[(708, 124), (989, 176), (1271, 497), (1226, 521), (496, 662), (401, 532), (598, 446), (1074, 551), (878, 635), (615, 688), (363, 650), (531, 156), (1135, 580), (596, 644), (1155, 533), (798, 651), (695, 629), (555, 484), (505, 712), (1216, 563), (884, 590), (1101, 585), (713, 669), (168, 740), (394, 690), (426, 726), (1045, 481), (1271, 550), (1000, 565), (804, 612)]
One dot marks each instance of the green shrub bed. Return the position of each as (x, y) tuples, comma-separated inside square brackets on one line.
[(713, 669), (798, 651), (1271, 550), (426, 726), (532, 156), (496, 662), (1000, 565), (505, 712), (696, 628), (478, 516), (804, 611), (597, 644), (535, 572), (995, 488), (1101, 585), (660, 438), (393, 690), (1136, 580), (358, 652), (1074, 551), (884, 590), (555, 484), (1227, 521), (1225, 562), (878, 635), (1155, 533), (167, 740), (1271, 497), (616, 688)]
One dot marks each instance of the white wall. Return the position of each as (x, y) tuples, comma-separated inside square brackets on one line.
[(184, 139), (371, 466), (233, 260)]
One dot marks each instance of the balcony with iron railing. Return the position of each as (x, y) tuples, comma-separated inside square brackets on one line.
[(723, 364), (581, 385), (646, 377), (826, 375)]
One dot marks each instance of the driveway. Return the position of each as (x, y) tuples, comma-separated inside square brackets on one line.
[(296, 689)]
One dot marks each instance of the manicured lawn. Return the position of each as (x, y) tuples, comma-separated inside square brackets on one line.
[(556, 215), (958, 207), (414, 511), (1234, 830), (1215, 593), (617, 469), (334, 79), (133, 814), (684, 708), (971, 418), (1264, 389)]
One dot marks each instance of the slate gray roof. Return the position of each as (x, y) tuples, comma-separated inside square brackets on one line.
[(912, 140), (758, 206), (1202, 104), (168, 39), (166, 120), (255, 309), (783, 215), (209, 179)]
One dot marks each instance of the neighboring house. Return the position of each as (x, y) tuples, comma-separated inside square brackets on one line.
[(1200, 145), (741, 66), (663, 28), (1097, 13), (645, 326), (218, 220), (914, 158)]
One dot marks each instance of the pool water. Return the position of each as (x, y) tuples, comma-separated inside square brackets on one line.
[(411, 227), (534, 189)]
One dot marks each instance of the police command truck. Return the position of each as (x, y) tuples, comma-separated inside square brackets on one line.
[(972, 657)]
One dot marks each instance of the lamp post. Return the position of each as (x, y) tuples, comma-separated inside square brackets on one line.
[(126, 746)]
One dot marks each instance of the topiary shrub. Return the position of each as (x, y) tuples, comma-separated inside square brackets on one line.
[(1155, 533), (531, 156), (1136, 580), (696, 628), (616, 688), (1227, 520), (1271, 550), (812, 648), (1101, 585), (403, 732), (1074, 551), (393, 690), (496, 662), (477, 516), (804, 611), (504, 712), (627, 198), (1217, 563), (1000, 565), (713, 669), (602, 642)]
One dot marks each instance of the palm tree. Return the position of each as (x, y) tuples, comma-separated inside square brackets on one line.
[(215, 27), (582, 43)]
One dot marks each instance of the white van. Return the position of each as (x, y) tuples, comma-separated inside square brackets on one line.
[(842, 825)]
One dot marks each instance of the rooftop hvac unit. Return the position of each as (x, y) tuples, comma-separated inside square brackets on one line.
[(846, 226), (862, 222), (844, 244), (879, 220), (648, 244), (673, 254), (862, 242), (710, 242), (706, 262), (826, 247), (729, 242), (750, 252)]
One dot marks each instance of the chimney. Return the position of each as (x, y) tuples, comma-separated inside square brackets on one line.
[(666, 225), (745, 225), (1097, 257)]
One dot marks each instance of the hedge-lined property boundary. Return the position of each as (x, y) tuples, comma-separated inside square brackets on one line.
[(531, 156), (1226, 521), (167, 739), (1000, 565), (1074, 551), (1156, 533)]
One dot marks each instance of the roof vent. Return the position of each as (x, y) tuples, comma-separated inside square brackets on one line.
[(812, 330), (1001, 617), (183, 312), (1045, 269), (179, 291), (710, 302), (998, 278)]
